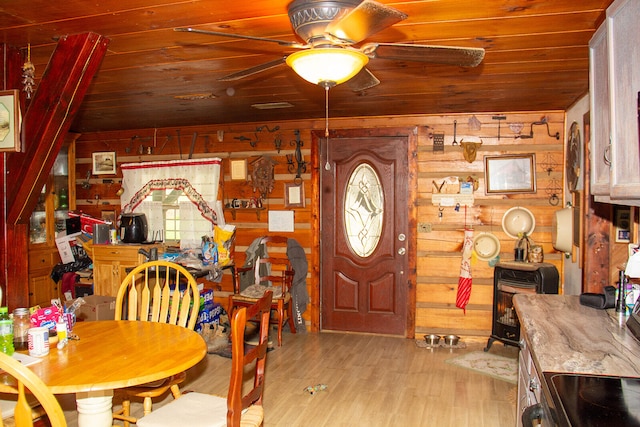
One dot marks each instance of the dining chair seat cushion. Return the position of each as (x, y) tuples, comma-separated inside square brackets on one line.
[(257, 291), (198, 410)]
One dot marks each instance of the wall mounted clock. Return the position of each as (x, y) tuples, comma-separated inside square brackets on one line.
[(262, 175), (574, 157)]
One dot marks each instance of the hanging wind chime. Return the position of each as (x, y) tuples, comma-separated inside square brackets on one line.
[(28, 74)]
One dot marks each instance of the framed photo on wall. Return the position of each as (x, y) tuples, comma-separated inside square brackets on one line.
[(510, 174), (109, 216), (104, 163), (293, 195), (622, 224), (9, 120), (238, 169)]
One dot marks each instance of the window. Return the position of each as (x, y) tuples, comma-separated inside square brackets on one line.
[(170, 199), (178, 197), (363, 210)]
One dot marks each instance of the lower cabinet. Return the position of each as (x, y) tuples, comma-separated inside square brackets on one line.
[(110, 265), (42, 288), (528, 382)]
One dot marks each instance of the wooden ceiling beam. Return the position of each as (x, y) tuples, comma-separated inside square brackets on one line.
[(46, 122)]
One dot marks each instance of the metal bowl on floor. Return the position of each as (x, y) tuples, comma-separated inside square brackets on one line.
[(432, 339), (451, 340)]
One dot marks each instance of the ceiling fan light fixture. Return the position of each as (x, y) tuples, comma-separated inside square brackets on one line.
[(327, 66)]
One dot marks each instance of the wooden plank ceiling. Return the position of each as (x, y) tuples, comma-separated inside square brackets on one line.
[(536, 59)]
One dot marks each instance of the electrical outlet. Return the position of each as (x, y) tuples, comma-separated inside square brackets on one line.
[(424, 227)]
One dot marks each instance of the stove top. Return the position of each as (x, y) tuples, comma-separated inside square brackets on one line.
[(593, 400)]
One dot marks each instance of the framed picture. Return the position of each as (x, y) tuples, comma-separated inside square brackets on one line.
[(293, 195), (9, 120), (623, 224), (238, 169), (109, 216), (510, 174), (104, 163)]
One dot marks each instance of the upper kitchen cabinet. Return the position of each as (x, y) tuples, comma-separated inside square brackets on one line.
[(615, 91), (47, 221)]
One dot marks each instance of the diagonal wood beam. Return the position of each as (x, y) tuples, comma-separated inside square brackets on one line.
[(48, 118)]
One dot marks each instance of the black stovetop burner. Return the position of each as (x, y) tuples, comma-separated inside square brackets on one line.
[(593, 400)]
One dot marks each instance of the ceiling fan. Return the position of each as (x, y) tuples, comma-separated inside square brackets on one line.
[(331, 28)]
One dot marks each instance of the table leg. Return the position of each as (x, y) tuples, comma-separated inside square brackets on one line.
[(94, 408)]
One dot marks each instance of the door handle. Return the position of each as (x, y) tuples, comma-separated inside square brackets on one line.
[(402, 251)]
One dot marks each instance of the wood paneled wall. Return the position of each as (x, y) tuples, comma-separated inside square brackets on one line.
[(439, 247)]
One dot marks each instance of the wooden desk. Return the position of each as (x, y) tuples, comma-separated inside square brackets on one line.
[(115, 354)]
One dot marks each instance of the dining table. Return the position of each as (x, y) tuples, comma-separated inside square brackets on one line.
[(106, 355)]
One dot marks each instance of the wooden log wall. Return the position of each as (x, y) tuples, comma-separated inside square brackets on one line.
[(439, 236)]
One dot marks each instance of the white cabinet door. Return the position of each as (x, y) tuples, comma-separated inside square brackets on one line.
[(623, 19), (600, 112)]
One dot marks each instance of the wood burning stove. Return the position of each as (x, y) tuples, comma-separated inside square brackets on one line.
[(510, 278)]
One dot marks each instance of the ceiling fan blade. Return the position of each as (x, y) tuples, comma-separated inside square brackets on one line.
[(362, 81), (241, 36), (449, 55), (253, 70), (366, 19)]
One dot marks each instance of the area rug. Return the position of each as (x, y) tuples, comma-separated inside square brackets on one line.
[(500, 367)]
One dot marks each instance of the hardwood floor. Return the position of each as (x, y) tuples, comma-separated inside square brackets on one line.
[(371, 381)]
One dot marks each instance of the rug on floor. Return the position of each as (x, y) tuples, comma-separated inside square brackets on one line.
[(500, 367)]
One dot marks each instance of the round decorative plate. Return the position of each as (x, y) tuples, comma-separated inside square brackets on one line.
[(574, 158), (487, 246), (518, 220)]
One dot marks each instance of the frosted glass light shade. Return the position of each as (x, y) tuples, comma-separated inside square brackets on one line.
[(330, 66)]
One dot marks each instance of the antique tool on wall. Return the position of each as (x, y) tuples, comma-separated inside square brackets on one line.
[(455, 126), (330, 28), (541, 122), (499, 119), (193, 144), (438, 141), (179, 143), (166, 141)]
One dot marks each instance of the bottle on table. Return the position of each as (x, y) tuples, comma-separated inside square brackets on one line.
[(6, 332)]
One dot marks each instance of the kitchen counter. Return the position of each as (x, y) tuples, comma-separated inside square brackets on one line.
[(565, 336)]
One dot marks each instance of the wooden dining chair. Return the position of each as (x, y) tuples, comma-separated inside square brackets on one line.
[(238, 408), (156, 291), (18, 379), (268, 271)]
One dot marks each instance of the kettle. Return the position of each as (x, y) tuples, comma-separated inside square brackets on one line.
[(133, 228)]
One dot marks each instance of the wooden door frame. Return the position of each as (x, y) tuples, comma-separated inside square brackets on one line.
[(412, 181)]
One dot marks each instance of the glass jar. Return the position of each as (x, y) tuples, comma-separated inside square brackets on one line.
[(21, 325)]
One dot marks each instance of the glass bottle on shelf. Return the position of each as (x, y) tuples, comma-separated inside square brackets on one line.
[(63, 200), (38, 221)]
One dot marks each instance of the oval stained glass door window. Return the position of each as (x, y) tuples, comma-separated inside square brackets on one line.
[(363, 210)]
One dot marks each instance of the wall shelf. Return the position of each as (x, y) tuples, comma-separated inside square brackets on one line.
[(234, 210), (439, 199)]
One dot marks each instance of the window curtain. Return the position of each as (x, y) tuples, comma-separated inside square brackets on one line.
[(197, 178)]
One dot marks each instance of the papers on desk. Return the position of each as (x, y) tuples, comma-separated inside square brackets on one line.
[(25, 359)]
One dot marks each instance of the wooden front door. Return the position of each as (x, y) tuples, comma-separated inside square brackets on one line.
[(366, 240)]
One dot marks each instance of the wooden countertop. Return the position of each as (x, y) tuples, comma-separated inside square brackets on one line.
[(565, 336)]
